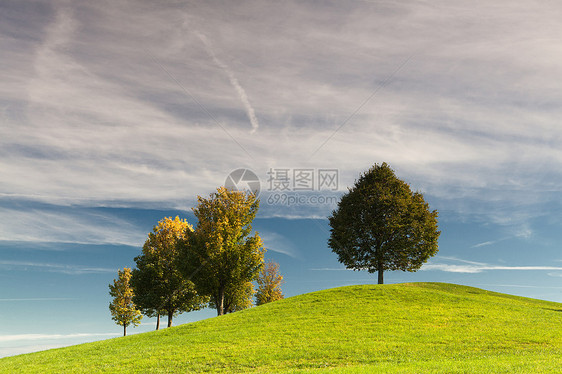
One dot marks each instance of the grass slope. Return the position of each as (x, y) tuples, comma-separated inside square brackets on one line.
[(404, 328)]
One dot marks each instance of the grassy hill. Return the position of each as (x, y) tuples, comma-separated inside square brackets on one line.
[(404, 328)]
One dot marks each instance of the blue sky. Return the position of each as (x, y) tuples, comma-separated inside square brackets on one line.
[(115, 114)]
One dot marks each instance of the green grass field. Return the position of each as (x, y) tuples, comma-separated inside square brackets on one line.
[(404, 328)]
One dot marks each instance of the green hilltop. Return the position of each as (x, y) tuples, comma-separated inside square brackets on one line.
[(402, 328)]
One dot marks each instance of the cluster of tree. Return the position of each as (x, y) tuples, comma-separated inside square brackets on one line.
[(182, 269), (379, 225)]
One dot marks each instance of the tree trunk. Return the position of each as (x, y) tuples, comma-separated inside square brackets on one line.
[(158, 321), (170, 315), (381, 271), (220, 304), (124, 330)]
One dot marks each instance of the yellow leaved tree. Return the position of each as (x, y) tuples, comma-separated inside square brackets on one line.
[(269, 284), (222, 255), (160, 288), (123, 309)]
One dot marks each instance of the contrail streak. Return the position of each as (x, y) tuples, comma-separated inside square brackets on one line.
[(233, 81)]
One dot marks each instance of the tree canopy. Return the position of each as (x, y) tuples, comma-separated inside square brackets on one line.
[(221, 255), (269, 284), (380, 224), (123, 309), (160, 288)]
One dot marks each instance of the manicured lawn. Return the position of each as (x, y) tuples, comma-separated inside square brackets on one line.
[(405, 328)]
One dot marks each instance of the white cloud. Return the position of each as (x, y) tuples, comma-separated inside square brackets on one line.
[(523, 232), (55, 224), (477, 267), (470, 119), (278, 243), (37, 337), (483, 244), (453, 268), (19, 343), (39, 299), (12, 351), (233, 81), (56, 268)]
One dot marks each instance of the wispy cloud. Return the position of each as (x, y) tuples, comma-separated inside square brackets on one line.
[(478, 267), (469, 267), (484, 244), (37, 337), (31, 222), (39, 299), (97, 128), (523, 232), (233, 80), (523, 286), (27, 343), (330, 269), (55, 268), (12, 351), (278, 243)]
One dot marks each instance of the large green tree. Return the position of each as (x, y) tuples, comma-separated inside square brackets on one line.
[(160, 288), (123, 310), (223, 254), (380, 224)]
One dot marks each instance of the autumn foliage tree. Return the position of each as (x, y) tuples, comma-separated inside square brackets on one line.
[(269, 284), (160, 288), (222, 254), (123, 309), (380, 225)]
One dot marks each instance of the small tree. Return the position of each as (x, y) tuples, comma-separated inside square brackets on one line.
[(380, 224), (269, 284), (123, 310), (160, 288), (221, 255)]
